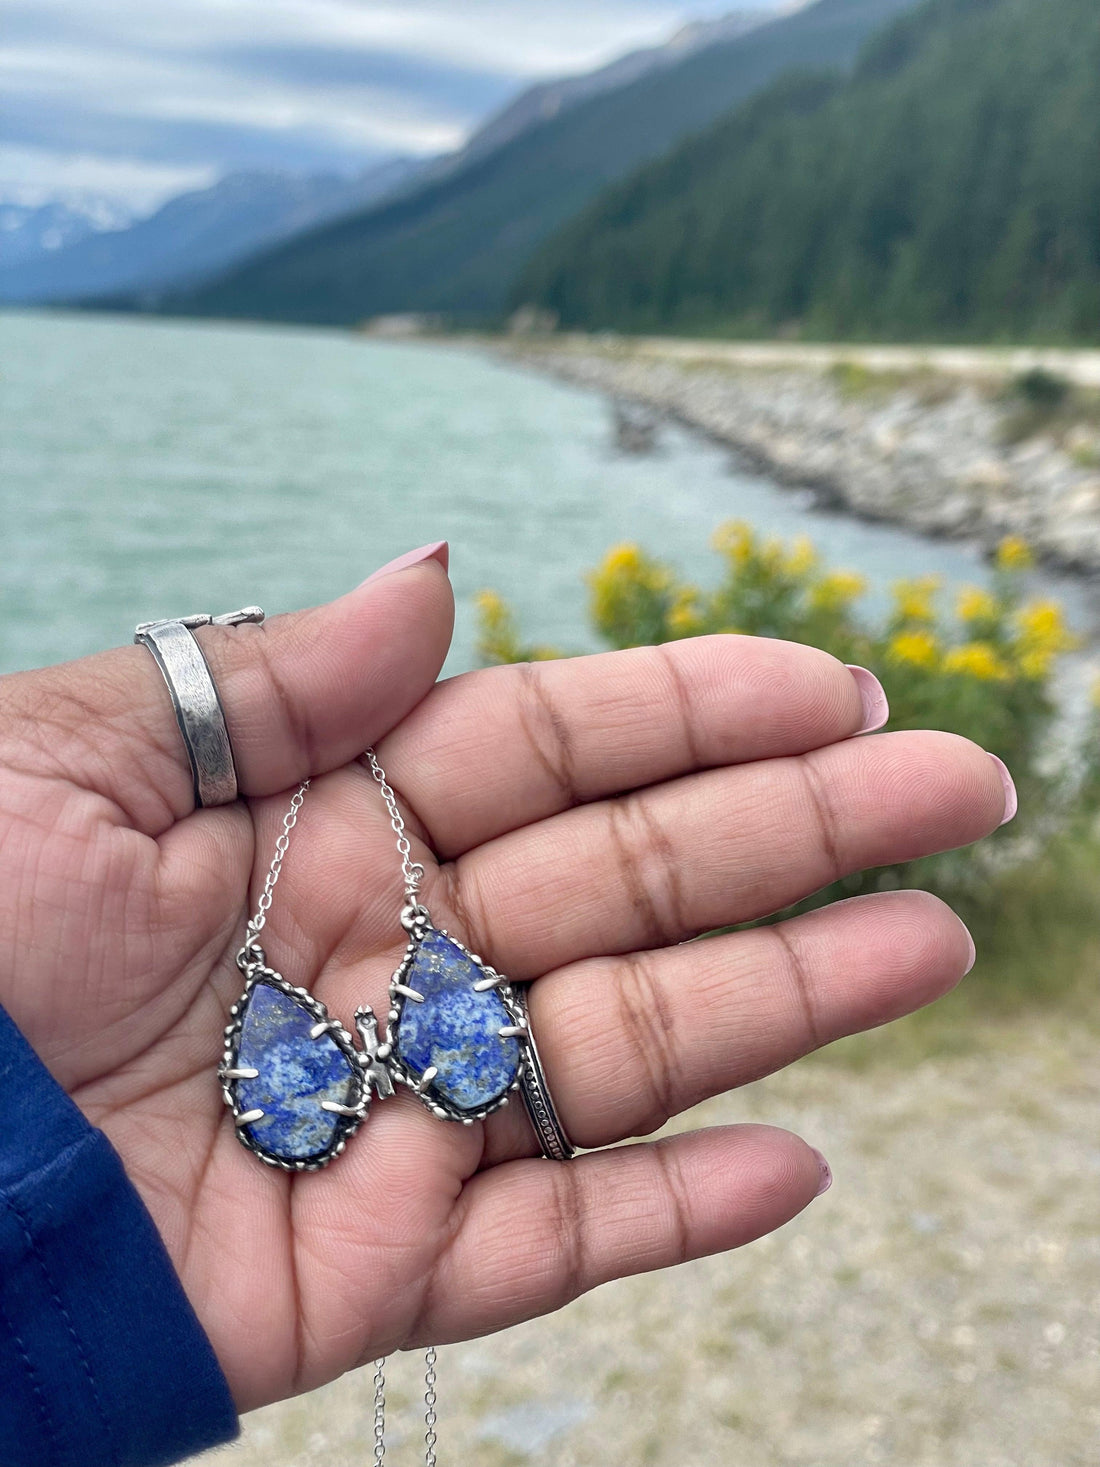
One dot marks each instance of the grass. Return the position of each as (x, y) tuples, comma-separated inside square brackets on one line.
[(1038, 968)]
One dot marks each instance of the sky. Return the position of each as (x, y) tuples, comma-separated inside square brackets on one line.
[(140, 99)]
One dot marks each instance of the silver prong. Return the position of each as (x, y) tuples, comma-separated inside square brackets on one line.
[(337, 1109), (428, 1076), (322, 1027), (484, 984), (246, 1117), (408, 992), (513, 1031), (243, 1073), (383, 1051)]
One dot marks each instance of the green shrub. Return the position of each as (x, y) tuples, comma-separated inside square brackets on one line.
[(982, 668)]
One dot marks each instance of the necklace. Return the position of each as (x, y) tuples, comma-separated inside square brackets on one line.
[(299, 1086), (429, 1409)]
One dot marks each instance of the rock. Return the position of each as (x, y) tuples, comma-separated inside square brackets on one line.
[(935, 461)]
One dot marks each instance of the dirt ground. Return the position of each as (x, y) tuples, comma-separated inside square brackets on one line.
[(939, 1307)]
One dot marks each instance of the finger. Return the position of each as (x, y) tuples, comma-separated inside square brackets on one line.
[(531, 1236), (726, 846), (302, 694), (629, 1042), (494, 750)]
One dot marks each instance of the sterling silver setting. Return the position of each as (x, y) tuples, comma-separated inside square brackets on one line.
[(195, 702), (253, 963), (418, 923)]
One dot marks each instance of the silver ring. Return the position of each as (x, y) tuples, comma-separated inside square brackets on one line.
[(198, 709), (553, 1142)]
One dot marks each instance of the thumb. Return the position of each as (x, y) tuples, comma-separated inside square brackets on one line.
[(302, 694)]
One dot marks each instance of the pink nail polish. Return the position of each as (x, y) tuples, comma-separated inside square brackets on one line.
[(438, 550), (1012, 802), (826, 1173), (876, 706), (973, 958)]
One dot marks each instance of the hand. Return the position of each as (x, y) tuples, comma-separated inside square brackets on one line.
[(578, 820)]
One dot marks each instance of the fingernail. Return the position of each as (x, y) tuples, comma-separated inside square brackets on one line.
[(826, 1173), (973, 958), (876, 706), (1012, 803), (438, 550)]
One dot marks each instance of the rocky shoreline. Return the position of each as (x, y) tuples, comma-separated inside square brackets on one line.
[(945, 453)]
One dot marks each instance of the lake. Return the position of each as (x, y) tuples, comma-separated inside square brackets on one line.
[(154, 468)]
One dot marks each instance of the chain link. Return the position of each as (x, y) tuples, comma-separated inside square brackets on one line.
[(411, 870), (379, 1412), (263, 906), (429, 1407)]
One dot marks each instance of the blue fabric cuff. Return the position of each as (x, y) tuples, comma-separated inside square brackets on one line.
[(102, 1360)]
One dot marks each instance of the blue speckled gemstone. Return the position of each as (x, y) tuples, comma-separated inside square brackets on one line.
[(296, 1074), (455, 1028)]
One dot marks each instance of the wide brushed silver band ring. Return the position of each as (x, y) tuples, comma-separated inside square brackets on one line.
[(554, 1144), (198, 709)]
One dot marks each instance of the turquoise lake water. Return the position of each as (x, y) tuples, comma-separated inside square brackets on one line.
[(154, 468)]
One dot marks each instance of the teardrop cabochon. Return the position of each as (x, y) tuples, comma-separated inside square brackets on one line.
[(454, 1029), (272, 1030)]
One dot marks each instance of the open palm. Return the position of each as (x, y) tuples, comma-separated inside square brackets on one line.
[(578, 821)]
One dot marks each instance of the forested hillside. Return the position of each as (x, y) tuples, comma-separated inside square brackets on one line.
[(458, 244), (950, 187)]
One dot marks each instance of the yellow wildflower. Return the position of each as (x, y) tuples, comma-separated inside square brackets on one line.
[(735, 540), (836, 591), (1014, 554), (497, 638), (978, 660), (621, 558), (1096, 692), (918, 649), (802, 559), (684, 619), (1042, 628), (913, 599), (974, 604)]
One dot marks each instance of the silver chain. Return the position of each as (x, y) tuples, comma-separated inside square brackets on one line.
[(263, 906), (429, 1406), (411, 870), (429, 1409), (379, 1412)]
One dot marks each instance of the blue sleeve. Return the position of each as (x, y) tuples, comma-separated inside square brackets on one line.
[(102, 1360)]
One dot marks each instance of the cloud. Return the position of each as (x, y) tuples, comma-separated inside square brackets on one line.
[(207, 86)]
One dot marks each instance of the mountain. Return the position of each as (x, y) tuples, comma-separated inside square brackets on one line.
[(194, 235), (547, 100), (457, 244), (949, 187), (37, 231)]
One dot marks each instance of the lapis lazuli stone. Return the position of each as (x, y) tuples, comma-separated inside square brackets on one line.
[(456, 1029), (296, 1074)]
